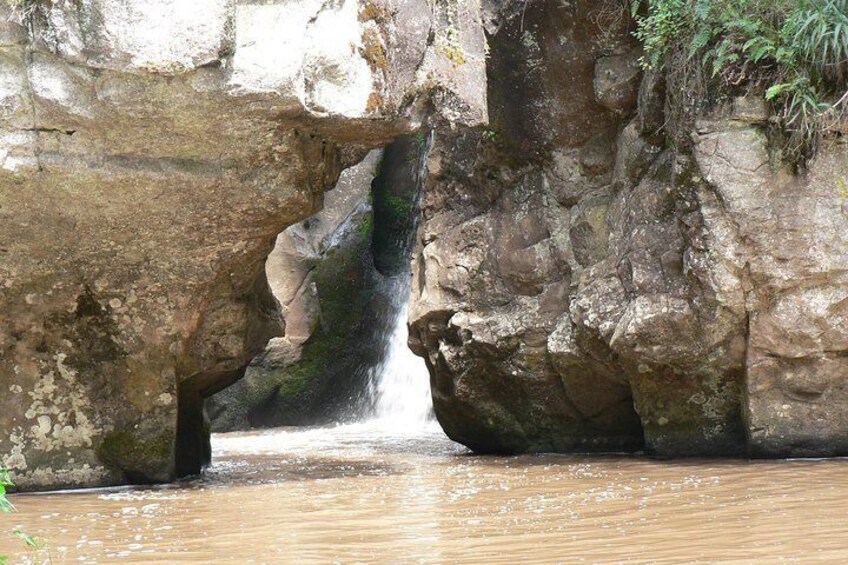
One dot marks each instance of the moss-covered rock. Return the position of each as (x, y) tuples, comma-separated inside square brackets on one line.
[(330, 275), (308, 390), (131, 455), (322, 273), (395, 198)]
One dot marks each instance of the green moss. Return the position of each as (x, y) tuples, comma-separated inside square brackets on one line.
[(420, 142), (366, 226), (394, 194), (343, 292), (395, 210)]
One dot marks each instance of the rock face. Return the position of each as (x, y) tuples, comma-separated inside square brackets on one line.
[(322, 274), (780, 256), (150, 153), (509, 214), (579, 286), (333, 276), (395, 193)]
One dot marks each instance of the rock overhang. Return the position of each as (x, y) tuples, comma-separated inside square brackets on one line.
[(150, 152)]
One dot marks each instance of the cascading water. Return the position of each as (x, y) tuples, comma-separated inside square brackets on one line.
[(400, 383)]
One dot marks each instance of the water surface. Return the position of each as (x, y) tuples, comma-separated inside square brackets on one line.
[(361, 494)]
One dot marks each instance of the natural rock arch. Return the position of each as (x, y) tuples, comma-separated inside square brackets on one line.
[(149, 156)]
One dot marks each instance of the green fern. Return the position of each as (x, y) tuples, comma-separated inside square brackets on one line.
[(820, 32), (794, 52)]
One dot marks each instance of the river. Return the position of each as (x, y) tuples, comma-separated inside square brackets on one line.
[(393, 489), (362, 494)]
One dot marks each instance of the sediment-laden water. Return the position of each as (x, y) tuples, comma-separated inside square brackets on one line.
[(394, 489), (361, 494)]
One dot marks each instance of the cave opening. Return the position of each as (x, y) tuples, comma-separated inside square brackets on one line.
[(341, 282)]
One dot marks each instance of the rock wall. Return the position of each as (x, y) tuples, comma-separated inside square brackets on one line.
[(581, 286), (150, 153), (779, 259), (321, 272)]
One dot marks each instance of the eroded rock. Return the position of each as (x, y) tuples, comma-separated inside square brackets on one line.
[(150, 153), (511, 215), (580, 286), (782, 235), (322, 274)]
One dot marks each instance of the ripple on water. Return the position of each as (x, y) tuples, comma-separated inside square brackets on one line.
[(353, 494)]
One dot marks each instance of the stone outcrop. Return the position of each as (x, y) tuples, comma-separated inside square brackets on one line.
[(333, 275), (779, 252), (150, 154), (581, 286), (322, 274), (509, 214)]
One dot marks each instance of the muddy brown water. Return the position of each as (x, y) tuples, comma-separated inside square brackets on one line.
[(356, 494)]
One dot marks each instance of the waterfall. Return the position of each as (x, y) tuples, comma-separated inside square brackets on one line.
[(400, 383)]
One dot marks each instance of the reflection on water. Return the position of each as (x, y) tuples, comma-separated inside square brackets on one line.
[(358, 494)]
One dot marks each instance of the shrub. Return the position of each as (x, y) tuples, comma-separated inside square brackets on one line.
[(792, 52)]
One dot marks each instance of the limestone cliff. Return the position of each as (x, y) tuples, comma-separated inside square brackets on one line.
[(150, 154)]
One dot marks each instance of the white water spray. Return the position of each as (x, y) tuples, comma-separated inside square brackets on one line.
[(400, 383)]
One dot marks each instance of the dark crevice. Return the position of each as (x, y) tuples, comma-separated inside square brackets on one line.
[(67, 132), (194, 451), (395, 192), (263, 322)]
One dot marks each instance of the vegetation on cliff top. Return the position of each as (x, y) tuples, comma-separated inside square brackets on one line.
[(794, 53)]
